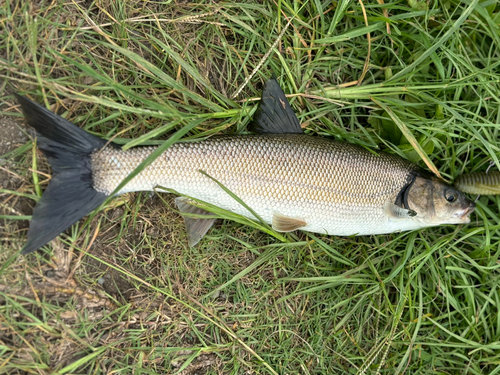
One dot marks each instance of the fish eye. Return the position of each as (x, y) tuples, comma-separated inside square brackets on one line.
[(451, 195)]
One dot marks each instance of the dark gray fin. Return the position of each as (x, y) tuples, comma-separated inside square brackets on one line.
[(70, 194), (196, 227), (274, 115), (282, 223), (397, 212)]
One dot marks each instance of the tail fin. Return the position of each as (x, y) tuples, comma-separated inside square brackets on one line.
[(70, 194)]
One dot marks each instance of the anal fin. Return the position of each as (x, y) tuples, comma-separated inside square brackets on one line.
[(282, 223), (196, 227)]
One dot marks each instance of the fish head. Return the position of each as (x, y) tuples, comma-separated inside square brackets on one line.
[(436, 202)]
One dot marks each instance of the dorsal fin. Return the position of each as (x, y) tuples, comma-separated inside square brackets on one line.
[(275, 116)]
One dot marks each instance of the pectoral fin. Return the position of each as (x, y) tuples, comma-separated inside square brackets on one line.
[(282, 223), (397, 212), (196, 228)]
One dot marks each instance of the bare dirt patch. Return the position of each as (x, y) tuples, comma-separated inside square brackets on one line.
[(11, 134)]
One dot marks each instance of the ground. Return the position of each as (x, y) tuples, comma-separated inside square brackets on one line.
[(11, 135)]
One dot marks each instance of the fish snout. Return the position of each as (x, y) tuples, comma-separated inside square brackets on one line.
[(464, 213)]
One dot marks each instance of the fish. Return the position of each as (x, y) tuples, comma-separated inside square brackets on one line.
[(290, 180), (479, 183)]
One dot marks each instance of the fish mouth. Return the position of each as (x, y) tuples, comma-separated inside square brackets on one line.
[(463, 215)]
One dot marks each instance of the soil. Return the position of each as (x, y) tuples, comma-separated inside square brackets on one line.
[(11, 135)]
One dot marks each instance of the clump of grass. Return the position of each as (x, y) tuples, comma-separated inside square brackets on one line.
[(121, 291)]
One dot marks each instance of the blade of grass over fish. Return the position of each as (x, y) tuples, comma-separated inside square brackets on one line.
[(237, 199), (409, 136), (229, 215), (224, 214), (413, 67), (156, 153)]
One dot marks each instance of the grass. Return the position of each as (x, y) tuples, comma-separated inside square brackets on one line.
[(121, 292)]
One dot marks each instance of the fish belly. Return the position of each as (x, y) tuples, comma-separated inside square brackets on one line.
[(336, 188)]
